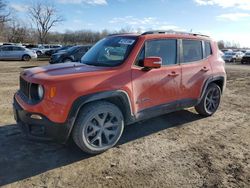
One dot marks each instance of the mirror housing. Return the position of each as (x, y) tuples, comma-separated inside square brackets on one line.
[(152, 62)]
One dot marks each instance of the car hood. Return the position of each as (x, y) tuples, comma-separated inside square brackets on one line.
[(62, 70)]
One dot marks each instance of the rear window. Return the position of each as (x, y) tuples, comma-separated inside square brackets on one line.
[(192, 50)]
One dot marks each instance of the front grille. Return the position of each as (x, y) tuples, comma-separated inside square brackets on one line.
[(25, 87), (29, 91)]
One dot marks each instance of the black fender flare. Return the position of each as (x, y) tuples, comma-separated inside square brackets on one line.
[(105, 95), (208, 81)]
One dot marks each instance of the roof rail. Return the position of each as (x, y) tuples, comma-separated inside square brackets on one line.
[(172, 32), (114, 34)]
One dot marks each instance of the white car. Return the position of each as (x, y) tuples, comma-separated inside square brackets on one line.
[(231, 56), (43, 48), (13, 52)]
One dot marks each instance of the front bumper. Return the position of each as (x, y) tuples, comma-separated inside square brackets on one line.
[(40, 129)]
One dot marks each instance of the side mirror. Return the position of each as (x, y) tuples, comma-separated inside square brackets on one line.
[(152, 62)]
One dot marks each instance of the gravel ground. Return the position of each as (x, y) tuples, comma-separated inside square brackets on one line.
[(180, 149)]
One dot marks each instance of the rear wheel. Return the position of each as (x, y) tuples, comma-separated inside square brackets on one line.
[(26, 58), (98, 127), (210, 101)]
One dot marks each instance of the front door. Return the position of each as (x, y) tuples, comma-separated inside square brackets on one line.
[(156, 87)]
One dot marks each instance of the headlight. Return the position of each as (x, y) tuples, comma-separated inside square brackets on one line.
[(40, 91)]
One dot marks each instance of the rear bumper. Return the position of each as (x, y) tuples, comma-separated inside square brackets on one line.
[(40, 129)]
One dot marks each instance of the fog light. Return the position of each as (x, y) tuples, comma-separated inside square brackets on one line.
[(35, 116)]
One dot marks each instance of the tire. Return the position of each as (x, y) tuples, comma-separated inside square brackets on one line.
[(26, 58), (38, 53), (98, 127), (67, 60), (210, 101)]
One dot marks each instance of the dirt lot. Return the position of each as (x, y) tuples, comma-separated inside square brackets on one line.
[(180, 149)]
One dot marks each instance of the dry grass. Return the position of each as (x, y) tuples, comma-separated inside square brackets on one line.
[(175, 150)]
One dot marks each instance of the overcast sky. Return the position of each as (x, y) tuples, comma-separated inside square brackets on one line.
[(222, 19)]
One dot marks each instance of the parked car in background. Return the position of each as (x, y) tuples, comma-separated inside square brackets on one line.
[(43, 48), (232, 56), (72, 54), (12, 52), (55, 50), (246, 58), (30, 46)]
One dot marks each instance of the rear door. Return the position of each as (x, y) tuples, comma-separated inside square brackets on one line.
[(195, 68), (157, 87), (17, 52)]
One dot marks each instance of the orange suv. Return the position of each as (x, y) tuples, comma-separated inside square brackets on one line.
[(122, 79)]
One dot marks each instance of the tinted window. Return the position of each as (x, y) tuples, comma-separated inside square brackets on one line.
[(6, 48), (140, 58), (192, 50), (166, 49), (208, 50), (15, 48)]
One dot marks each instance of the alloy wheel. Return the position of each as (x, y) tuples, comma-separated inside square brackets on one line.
[(102, 130), (212, 100)]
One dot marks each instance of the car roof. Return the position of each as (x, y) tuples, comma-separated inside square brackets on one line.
[(12, 46), (165, 34)]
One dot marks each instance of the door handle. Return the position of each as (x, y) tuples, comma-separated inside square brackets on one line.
[(173, 74), (204, 69)]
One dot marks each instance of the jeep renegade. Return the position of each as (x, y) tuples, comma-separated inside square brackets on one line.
[(122, 79)]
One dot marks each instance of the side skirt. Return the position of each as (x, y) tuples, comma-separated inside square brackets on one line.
[(164, 109)]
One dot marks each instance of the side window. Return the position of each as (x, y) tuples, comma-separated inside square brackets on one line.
[(140, 58), (166, 49), (208, 49), (15, 48), (7, 48), (192, 50)]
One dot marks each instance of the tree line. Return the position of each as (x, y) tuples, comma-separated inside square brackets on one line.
[(43, 17)]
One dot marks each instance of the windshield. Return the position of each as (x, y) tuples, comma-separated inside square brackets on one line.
[(248, 53), (111, 51)]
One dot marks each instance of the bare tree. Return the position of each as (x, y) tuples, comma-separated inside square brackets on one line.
[(44, 16), (4, 14), (17, 31)]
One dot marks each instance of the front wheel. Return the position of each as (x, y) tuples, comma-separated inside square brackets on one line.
[(210, 101), (98, 127)]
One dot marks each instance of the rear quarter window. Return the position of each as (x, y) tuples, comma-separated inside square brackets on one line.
[(208, 49)]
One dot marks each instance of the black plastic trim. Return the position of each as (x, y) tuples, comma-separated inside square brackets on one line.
[(210, 80), (49, 130)]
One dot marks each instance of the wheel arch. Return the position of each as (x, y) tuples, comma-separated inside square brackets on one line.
[(219, 80), (119, 98), (25, 55)]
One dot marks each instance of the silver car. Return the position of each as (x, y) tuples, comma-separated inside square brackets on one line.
[(12, 52)]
